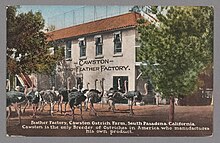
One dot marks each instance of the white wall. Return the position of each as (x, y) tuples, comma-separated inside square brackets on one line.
[(126, 59)]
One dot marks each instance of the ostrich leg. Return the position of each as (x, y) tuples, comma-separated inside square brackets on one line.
[(18, 109), (92, 108), (25, 106), (60, 105), (112, 105), (131, 106), (65, 107), (73, 113), (19, 115), (9, 112), (86, 104), (51, 108), (34, 106), (81, 111)]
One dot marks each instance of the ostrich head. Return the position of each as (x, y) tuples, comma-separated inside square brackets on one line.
[(88, 85), (53, 88)]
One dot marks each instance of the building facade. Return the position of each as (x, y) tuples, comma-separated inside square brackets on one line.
[(104, 48)]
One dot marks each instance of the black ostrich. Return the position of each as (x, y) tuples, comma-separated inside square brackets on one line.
[(15, 99), (76, 98), (63, 92), (94, 96), (115, 96), (131, 96), (33, 98)]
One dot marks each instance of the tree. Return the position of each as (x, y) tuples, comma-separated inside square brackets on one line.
[(51, 28), (27, 46), (177, 50)]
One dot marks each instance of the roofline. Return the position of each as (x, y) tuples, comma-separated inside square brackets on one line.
[(90, 22), (131, 25), (95, 33)]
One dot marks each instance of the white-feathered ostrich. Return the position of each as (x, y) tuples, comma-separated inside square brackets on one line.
[(76, 98), (49, 97), (94, 96)]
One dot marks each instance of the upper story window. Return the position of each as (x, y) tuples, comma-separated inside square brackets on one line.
[(68, 50), (98, 45), (117, 42), (82, 46)]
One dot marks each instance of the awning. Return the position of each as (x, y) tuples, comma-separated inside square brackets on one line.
[(25, 80)]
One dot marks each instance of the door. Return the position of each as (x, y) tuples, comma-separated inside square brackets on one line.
[(118, 83)]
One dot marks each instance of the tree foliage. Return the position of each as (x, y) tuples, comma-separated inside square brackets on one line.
[(178, 49), (27, 47)]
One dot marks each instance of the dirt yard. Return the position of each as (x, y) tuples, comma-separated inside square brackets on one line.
[(148, 120)]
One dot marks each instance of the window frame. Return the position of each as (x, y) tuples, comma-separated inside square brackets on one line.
[(68, 49), (114, 40), (82, 53), (98, 46)]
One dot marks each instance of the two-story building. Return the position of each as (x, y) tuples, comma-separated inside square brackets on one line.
[(99, 49)]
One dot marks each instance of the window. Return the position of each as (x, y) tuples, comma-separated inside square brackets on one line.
[(98, 44), (68, 50), (117, 43), (82, 46)]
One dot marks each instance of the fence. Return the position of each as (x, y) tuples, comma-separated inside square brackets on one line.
[(85, 14)]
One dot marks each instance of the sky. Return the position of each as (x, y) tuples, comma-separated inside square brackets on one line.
[(48, 10), (63, 16)]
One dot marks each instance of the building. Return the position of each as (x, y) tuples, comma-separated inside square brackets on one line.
[(99, 49)]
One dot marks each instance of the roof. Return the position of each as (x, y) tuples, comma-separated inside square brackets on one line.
[(107, 24)]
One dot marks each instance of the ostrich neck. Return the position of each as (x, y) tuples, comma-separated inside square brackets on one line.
[(145, 88), (102, 88), (126, 89), (95, 84), (119, 86)]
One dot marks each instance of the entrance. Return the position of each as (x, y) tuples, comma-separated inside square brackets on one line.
[(118, 83)]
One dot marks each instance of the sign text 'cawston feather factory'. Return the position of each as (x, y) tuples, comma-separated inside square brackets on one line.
[(103, 65)]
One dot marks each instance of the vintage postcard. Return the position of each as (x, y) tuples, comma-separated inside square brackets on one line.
[(93, 71)]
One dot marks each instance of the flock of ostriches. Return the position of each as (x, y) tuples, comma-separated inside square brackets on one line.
[(74, 97)]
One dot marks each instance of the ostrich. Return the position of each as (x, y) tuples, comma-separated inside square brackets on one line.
[(131, 96), (33, 98), (63, 92), (15, 99), (49, 96), (114, 96), (76, 98), (94, 96), (134, 96)]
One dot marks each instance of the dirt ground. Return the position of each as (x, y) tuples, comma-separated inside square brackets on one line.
[(148, 120)]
